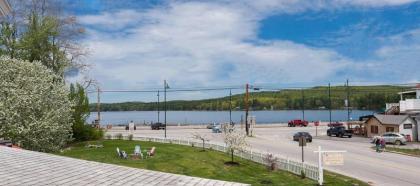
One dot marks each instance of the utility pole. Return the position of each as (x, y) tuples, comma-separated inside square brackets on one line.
[(158, 106), (329, 98), (164, 88), (230, 106), (348, 101), (98, 106), (246, 109), (303, 105)]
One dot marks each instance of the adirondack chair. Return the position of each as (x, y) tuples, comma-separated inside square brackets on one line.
[(151, 152), (137, 152), (121, 154), (118, 152)]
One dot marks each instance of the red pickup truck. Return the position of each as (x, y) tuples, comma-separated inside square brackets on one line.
[(297, 122)]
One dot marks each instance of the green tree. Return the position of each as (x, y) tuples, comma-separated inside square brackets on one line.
[(8, 39), (40, 43), (80, 112)]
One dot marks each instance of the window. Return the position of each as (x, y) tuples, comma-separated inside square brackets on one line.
[(408, 126), (374, 129), (390, 129)]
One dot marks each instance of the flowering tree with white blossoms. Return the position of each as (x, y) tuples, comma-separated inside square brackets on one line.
[(202, 137), (35, 110), (235, 140)]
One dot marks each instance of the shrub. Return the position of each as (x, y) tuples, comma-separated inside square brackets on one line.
[(35, 110), (108, 136), (271, 161), (87, 133), (119, 136), (130, 137), (302, 174)]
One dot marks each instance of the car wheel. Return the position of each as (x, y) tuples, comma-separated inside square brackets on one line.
[(310, 140), (328, 134), (350, 136), (398, 142), (341, 135)]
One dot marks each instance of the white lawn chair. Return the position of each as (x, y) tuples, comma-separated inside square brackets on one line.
[(118, 152), (137, 151)]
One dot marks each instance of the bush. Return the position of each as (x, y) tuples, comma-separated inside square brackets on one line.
[(35, 110), (108, 136), (130, 137), (302, 174), (271, 161), (87, 133), (119, 136)]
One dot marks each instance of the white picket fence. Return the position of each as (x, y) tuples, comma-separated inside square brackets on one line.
[(286, 164)]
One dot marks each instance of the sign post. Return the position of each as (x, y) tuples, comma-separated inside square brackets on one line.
[(316, 123), (329, 158), (302, 143)]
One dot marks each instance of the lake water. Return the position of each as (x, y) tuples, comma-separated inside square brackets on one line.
[(203, 117)]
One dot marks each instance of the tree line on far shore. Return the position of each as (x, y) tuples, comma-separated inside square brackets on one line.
[(361, 97)]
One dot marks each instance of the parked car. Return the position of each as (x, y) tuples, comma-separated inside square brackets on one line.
[(216, 129), (157, 126), (211, 125), (307, 136), (339, 131), (335, 124), (7, 143), (392, 137), (297, 122)]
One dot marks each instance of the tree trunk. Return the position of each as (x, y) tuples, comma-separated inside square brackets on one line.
[(203, 145), (231, 154)]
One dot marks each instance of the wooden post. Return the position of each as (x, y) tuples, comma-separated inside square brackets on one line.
[(246, 109), (98, 106)]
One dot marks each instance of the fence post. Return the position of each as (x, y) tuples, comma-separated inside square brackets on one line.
[(320, 171)]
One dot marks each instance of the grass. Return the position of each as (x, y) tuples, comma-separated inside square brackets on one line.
[(413, 152), (194, 162)]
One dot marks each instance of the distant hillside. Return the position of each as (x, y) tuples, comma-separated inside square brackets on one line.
[(361, 97)]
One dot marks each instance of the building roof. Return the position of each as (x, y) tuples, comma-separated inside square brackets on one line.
[(4, 7), (391, 119)]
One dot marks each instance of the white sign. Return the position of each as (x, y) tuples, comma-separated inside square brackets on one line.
[(333, 158)]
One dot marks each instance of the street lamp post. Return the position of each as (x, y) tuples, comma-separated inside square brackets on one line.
[(230, 106), (158, 106), (329, 100), (164, 88)]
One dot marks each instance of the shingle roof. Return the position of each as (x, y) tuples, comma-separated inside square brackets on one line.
[(391, 119)]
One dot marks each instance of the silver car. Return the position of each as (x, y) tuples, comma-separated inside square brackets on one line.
[(392, 137)]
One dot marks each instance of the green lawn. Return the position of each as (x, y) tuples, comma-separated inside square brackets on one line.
[(413, 152), (193, 162)]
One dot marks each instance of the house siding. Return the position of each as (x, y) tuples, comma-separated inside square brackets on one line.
[(381, 127), (412, 132)]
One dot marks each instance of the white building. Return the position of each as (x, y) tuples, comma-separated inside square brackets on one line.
[(410, 106), (407, 106)]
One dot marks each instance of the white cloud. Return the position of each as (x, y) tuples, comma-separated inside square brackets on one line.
[(208, 44), (112, 21)]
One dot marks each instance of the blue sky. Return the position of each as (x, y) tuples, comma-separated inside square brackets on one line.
[(138, 44)]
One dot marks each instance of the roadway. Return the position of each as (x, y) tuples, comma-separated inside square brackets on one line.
[(360, 161)]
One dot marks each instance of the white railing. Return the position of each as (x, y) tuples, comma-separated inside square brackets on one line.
[(410, 105), (295, 167)]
